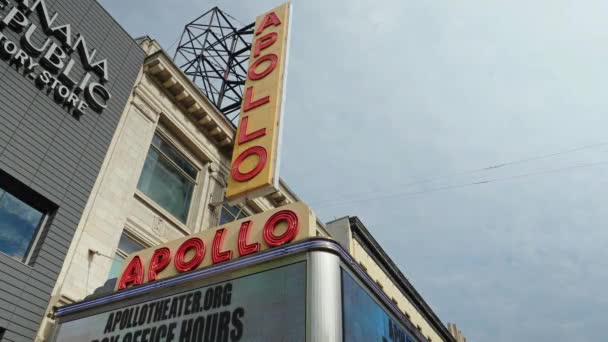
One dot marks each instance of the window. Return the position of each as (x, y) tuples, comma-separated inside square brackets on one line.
[(231, 213), (126, 246), (22, 214), (168, 178), (365, 319)]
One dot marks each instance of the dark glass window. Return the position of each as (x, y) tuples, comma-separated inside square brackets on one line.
[(231, 213), (364, 319), (168, 178), (126, 246), (18, 224), (22, 214)]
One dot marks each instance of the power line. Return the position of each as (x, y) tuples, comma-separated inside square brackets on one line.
[(471, 171), (238, 21), (457, 186), (174, 43)]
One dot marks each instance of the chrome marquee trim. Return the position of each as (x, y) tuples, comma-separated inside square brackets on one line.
[(314, 244)]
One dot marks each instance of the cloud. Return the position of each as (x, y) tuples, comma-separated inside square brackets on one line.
[(13, 242), (12, 205)]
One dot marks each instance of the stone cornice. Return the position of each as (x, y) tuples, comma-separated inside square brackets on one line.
[(190, 99)]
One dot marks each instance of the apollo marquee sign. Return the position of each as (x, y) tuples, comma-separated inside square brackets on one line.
[(270, 229), (52, 64)]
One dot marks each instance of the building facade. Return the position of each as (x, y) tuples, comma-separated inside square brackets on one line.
[(354, 237), (456, 333), (67, 69), (107, 148), (163, 178)]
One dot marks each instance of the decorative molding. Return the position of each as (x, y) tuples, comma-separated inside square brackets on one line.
[(193, 103), (140, 232), (158, 226), (156, 209), (145, 109)]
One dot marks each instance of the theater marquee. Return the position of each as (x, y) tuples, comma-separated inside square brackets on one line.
[(287, 224), (254, 168), (264, 306)]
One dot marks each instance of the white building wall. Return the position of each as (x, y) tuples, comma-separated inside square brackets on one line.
[(163, 100)]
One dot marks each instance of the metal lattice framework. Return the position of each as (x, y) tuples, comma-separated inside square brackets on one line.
[(214, 54)]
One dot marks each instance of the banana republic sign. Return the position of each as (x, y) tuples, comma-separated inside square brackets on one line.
[(51, 64)]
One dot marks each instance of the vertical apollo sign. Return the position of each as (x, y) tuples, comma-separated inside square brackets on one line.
[(255, 160)]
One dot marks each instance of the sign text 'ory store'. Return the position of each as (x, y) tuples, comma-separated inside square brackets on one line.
[(49, 63)]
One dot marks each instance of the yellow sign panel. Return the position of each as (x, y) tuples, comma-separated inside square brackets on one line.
[(254, 168), (274, 228)]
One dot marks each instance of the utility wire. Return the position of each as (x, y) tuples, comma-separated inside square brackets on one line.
[(174, 43), (229, 16), (457, 186), (466, 172)]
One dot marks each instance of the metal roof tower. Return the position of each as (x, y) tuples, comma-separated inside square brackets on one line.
[(214, 53)]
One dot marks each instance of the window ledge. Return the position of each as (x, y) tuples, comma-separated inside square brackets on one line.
[(21, 263), (162, 212)]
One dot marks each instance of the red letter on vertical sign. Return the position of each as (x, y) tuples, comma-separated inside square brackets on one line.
[(216, 249), (160, 260), (239, 176), (247, 101), (244, 247), (199, 253), (244, 136), (133, 274), (270, 19), (252, 74), (274, 240), (264, 42)]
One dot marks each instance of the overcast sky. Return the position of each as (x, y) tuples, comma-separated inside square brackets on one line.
[(385, 93)]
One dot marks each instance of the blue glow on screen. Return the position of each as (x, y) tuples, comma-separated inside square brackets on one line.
[(364, 319)]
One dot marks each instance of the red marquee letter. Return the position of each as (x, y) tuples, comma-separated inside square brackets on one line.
[(270, 19), (254, 75), (216, 254), (160, 260), (133, 274), (247, 101), (264, 42), (239, 176), (292, 228), (199, 253), (244, 136), (244, 247)]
